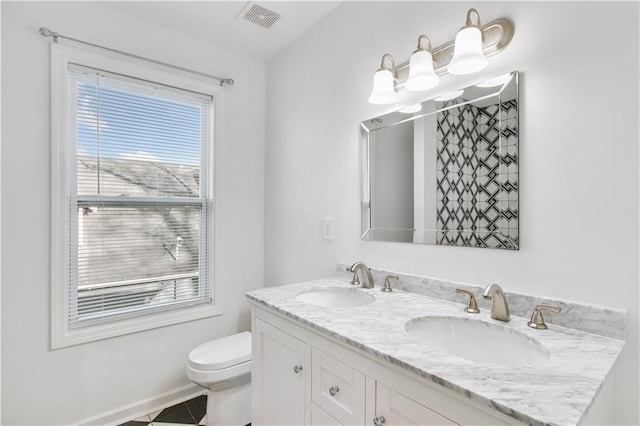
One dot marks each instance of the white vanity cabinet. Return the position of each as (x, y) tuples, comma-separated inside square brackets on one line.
[(339, 385)]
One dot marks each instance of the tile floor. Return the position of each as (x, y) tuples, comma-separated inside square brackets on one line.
[(190, 412)]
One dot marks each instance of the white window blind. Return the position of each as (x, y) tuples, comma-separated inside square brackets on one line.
[(141, 197)]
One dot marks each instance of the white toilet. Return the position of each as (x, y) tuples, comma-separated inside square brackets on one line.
[(223, 367)]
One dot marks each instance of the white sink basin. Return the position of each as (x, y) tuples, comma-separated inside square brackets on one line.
[(477, 340), (336, 297)]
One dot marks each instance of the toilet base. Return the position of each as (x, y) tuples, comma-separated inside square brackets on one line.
[(231, 406)]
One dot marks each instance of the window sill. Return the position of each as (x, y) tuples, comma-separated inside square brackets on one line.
[(65, 337)]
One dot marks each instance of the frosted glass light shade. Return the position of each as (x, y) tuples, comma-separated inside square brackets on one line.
[(384, 91), (421, 74), (468, 56)]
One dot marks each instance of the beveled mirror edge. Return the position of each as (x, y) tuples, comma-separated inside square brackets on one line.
[(366, 229), (365, 189)]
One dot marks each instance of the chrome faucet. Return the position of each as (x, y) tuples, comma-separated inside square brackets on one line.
[(367, 279), (499, 305)]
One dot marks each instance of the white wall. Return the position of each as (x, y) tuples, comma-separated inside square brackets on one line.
[(40, 386), (578, 152)]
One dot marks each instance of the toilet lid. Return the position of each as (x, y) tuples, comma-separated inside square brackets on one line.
[(222, 353)]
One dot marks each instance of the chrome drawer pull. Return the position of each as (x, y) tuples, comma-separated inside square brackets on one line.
[(297, 368), (333, 390)]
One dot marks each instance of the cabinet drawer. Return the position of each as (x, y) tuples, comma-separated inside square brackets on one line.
[(337, 388)]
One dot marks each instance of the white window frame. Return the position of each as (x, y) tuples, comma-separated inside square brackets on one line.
[(62, 335)]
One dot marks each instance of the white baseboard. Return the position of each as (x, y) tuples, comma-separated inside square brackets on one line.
[(144, 406)]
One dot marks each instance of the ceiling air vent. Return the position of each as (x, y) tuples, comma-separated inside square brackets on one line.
[(261, 16)]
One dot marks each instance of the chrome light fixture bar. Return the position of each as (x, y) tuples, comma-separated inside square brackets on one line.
[(495, 37)]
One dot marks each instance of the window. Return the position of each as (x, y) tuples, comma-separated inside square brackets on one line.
[(133, 188)]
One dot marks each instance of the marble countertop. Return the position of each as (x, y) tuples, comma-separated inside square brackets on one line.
[(557, 393)]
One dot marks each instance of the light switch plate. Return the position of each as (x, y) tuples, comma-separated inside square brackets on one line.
[(327, 228)]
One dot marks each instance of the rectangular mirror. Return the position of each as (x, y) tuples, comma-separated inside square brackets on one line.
[(446, 174)]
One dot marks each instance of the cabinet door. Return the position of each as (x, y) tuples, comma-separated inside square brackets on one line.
[(319, 417), (394, 408), (279, 376)]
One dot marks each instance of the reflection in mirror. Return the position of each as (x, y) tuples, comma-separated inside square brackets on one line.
[(446, 174)]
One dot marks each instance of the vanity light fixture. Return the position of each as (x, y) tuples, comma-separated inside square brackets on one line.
[(421, 74), (468, 56), (384, 91)]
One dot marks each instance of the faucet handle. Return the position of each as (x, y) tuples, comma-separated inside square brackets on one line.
[(537, 320), (472, 306), (387, 285)]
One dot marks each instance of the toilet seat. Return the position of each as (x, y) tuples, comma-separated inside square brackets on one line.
[(221, 354), (208, 379)]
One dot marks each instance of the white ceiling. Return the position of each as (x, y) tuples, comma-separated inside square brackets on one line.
[(219, 21)]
